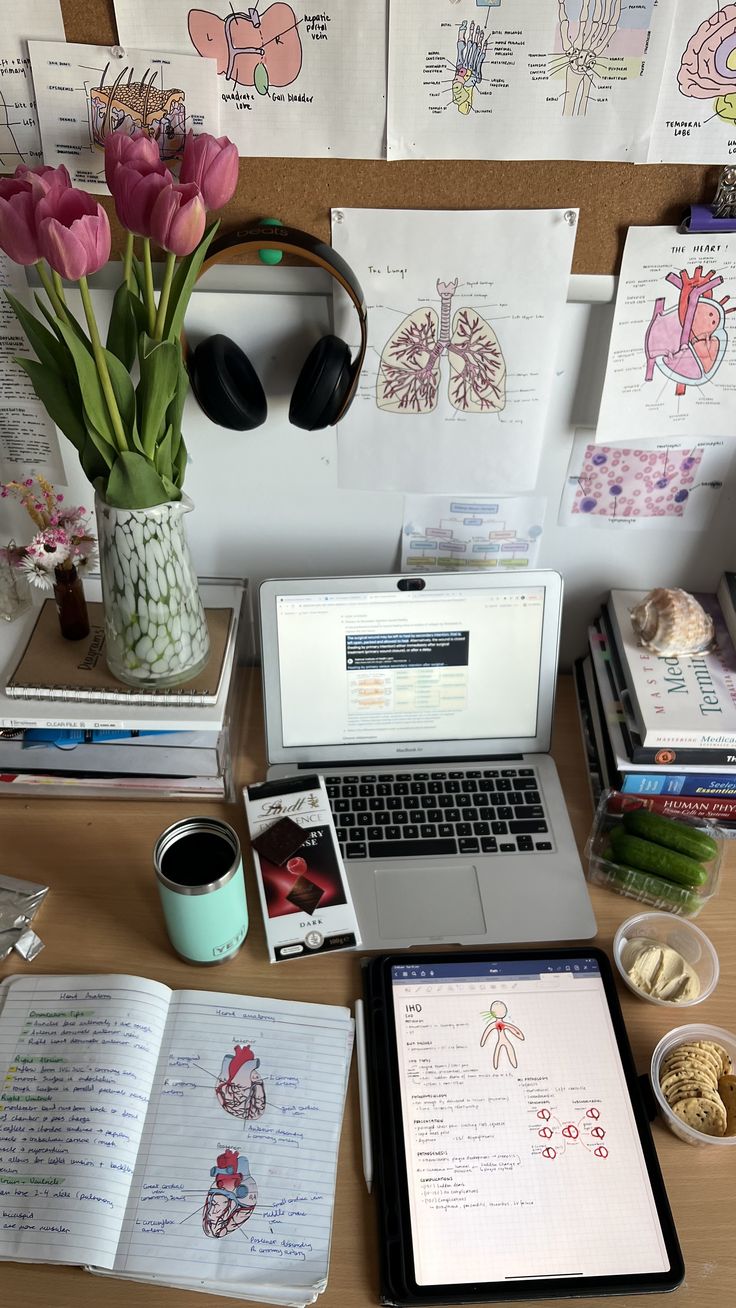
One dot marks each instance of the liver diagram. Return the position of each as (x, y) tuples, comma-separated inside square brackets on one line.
[(687, 342), (708, 67), (251, 48), (409, 374)]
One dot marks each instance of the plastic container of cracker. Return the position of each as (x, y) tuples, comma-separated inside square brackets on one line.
[(683, 1035), (667, 896), (677, 933)]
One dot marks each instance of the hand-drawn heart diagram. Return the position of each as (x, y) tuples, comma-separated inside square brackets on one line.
[(708, 66), (240, 1089), (688, 341), (409, 372), (231, 1197), (251, 48)]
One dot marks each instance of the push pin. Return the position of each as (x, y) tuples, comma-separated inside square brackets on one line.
[(271, 256)]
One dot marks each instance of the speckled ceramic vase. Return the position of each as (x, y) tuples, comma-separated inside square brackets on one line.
[(155, 627)]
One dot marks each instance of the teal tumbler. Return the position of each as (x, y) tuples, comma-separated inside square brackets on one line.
[(202, 889)]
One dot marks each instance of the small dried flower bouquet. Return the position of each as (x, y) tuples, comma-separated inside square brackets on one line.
[(61, 552)]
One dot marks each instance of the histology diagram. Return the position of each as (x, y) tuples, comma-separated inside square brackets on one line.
[(232, 1196), (409, 371), (472, 45), (708, 67), (620, 483), (502, 1029), (132, 106), (252, 48), (687, 342), (593, 41), (557, 1135), (240, 1089)]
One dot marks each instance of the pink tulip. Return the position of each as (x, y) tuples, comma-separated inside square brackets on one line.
[(178, 218), (73, 233), (212, 163), (135, 194), (17, 221), (44, 178), (137, 150)]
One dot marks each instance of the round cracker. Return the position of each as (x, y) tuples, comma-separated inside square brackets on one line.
[(694, 1055), (702, 1115), (688, 1073), (701, 1071), (685, 1091), (719, 1053), (727, 1091)]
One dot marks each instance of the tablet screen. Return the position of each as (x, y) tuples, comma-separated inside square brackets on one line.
[(523, 1158)]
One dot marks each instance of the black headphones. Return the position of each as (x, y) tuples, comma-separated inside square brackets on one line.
[(223, 378)]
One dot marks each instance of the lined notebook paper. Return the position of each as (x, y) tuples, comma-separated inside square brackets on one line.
[(188, 1138)]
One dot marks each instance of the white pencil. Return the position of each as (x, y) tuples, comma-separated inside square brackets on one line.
[(363, 1094)]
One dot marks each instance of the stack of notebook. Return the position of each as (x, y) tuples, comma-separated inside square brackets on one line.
[(68, 727), (662, 728)]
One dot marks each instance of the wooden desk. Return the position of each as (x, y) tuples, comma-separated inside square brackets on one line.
[(103, 915)]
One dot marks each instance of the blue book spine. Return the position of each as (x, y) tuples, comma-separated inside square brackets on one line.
[(671, 783)]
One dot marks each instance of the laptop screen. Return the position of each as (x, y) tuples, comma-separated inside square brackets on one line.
[(379, 667)]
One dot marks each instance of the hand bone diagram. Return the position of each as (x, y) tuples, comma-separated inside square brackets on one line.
[(472, 45), (251, 48), (708, 67), (232, 1196), (687, 342), (409, 371), (563, 1134)]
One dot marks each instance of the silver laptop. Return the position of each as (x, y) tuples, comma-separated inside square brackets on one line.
[(426, 703)]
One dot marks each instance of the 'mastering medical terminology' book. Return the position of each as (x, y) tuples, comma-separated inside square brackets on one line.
[(187, 1138)]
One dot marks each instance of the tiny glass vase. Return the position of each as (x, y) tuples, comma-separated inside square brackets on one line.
[(155, 627), (71, 605)]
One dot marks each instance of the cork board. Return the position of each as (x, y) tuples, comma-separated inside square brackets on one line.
[(611, 197)]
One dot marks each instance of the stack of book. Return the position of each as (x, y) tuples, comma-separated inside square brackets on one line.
[(662, 728), (68, 727)]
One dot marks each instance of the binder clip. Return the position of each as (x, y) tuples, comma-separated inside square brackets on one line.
[(718, 216)]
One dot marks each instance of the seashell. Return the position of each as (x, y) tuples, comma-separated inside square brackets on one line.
[(672, 622)]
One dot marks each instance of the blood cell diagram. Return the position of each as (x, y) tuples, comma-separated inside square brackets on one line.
[(409, 373), (687, 341), (253, 47), (708, 67)]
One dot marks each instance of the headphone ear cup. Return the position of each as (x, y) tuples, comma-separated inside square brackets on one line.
[(226, 384), (322, 385)]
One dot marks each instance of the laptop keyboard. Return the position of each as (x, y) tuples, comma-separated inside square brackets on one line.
[(447, 812)]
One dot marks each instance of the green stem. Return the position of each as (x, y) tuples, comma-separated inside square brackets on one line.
[(150, 299), (163, 299), (102, 370), (57, 304), (128, 261), (58, 286)]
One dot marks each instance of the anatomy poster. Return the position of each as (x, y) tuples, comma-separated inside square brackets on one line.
[(84, 92), (453, 534), (20, 141), (671, 371), (464, 314), (660, 486), (696, 113), (524, 79), (307, 83)]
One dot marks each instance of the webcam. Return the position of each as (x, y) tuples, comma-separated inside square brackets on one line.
[(410, 583)]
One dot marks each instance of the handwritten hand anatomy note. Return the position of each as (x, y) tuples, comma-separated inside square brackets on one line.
[(20, 141), (185, 1138), (520, 79), (29, 443), (305, 83), (695, 119), (671, 371), (464, 312), (84, 93), (454, 534)]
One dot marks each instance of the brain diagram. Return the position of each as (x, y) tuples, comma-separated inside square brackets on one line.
[(708, 68), (251, 48), (688, 341), (409, 372), (232, 1195)]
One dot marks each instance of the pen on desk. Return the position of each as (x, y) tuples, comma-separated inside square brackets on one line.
[(365, 1118)]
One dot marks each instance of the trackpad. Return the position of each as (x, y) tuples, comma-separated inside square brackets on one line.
[(438, 901)]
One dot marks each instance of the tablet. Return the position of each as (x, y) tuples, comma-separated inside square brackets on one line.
[(513, 1153)]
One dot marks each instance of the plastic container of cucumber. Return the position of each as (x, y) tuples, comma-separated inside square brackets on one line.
[(668, 883)]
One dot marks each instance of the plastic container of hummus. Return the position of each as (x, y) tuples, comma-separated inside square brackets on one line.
[(666, 960)]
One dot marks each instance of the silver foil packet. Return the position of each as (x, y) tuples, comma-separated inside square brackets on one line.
[(19, 902)]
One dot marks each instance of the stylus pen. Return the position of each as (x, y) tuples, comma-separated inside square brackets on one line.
[(365, 1117)]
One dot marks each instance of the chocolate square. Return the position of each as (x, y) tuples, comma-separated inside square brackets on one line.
[(279, 841), (305, 894)]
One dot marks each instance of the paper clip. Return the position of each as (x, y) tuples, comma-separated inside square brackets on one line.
[(720, 214)]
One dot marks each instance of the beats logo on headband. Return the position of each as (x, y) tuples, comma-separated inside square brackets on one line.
[(223, 378)]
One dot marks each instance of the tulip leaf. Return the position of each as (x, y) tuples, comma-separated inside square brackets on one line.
[(94, 466), (93, 397), (135, 484), (49, 350), (55, 323), (183, 284), (125, 396), (122, 332), (164, 466), (52, 391), (156, 389)]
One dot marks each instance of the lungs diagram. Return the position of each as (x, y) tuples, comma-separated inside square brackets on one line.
[(688, 341), (708, 67), (409, 373), (251, 48)]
